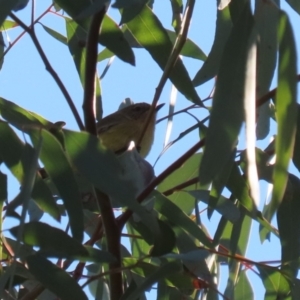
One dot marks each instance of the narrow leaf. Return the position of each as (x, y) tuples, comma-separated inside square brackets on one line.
[(149, 32), (162, 272), (6, 7), (19, 117), (250, 119), (174, 215), (76, 39), (212, 63), (102, 168), (276, 285), (55, 34), (286, 109), (266, 20), (295, 5), (51, 240), (61, 173), (289, 226), (227, 111), (11, 154), (54, 278)]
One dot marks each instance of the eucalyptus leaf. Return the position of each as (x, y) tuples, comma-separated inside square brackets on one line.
[(65, 288)]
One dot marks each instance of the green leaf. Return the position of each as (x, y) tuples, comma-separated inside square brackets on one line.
[(77, 36), (12, 154), (295, 5), (195, 255), (6, 7), (177, 9), (187, 171), (286, 109), (8, 24), (21, 118), (54, 278), (240, 189), (276, 285), (296, 152), (93, 8), (61, 173), (218, 185), (149, 32), (212, 63), (139, 246), (239, 239), (224, 206), (111, 36), (266, 20), (129, 9), (29, 162), (102, 168), (227, 112), (181, 280), (3, 189), (190, 49), (243, 289), (289, 226), (55, 34), (177, 217), (74, 9), (52, 241), (2, 46), (160, 273)]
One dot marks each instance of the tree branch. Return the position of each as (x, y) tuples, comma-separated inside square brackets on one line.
[(49, 68), (112, 232), (90, 72)]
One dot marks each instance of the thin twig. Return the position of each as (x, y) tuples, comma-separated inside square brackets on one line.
[(49, 68), (32, 12), (90, 72), (22, 33)]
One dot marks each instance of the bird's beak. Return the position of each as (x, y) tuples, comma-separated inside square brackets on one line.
[(159, 106)]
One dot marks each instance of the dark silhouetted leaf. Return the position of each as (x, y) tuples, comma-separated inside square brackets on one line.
[(289, 226), (149, 32), (266, 20), (6, 7), (212, 63), (177, 217), (52, 241), (227, 112), (276, 285), (286, 109), (162, 272), (61, 173), (295, 5), (54, 278)]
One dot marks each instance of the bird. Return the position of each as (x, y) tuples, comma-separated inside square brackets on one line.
[(118, 129)]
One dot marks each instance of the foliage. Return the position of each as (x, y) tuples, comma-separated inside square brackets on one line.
[(83, 182)]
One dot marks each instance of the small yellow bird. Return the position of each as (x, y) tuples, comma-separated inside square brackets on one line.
[(120, 128)]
